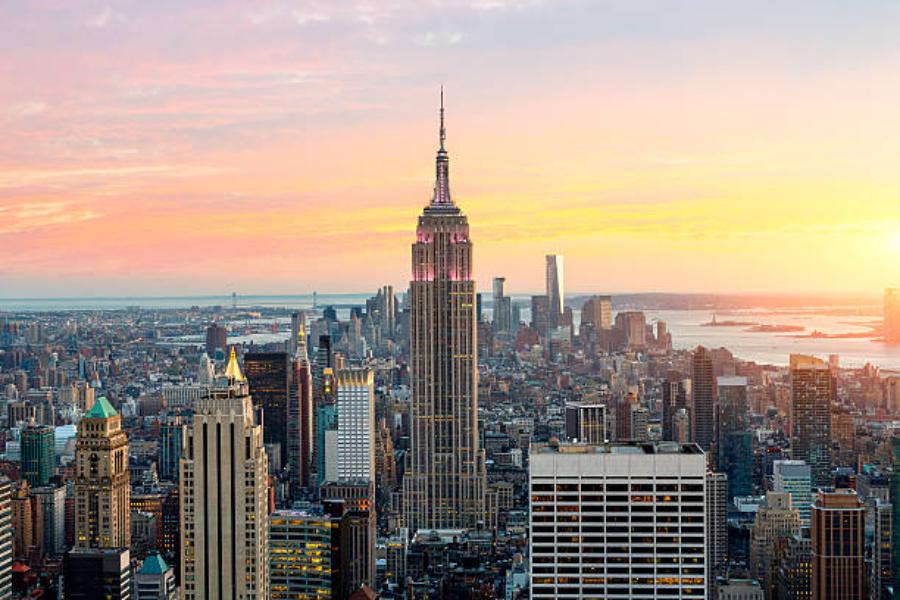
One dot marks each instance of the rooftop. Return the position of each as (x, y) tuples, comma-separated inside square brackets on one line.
[(102, 409), (616, 448)]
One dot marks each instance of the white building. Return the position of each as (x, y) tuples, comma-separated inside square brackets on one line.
[(619, 519), (356, 425), (224, 496)]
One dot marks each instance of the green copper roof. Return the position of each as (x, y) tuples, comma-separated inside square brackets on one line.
[(154, 565), (102, 409)]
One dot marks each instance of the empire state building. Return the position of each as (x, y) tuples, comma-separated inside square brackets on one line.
[(445, 480)]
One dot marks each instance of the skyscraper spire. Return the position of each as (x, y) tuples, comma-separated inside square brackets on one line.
[(441, 198)]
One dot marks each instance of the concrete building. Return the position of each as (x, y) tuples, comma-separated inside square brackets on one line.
[(92, 573), (597, 311), (356, 425), (586, 422), (556, 298), (812, 392), (716, 526), (224, 496), (776, 520), (6, 538), (602, 516), (155, 580), (882, 521), (704, 406), (740, 589)]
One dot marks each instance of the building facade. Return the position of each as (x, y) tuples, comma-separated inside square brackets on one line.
[(838, 546), (812, 391)]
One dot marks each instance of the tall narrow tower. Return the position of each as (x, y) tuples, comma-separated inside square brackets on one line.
[(102, 483), (445, 482)]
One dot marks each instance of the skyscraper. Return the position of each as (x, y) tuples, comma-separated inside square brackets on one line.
[(838, 548), (895, 524), (216, 339), (301, 431), (555, 290), (224, 496), (892, 315), (597, 310), (169, 449), (6, 538), (586, 422), (102, 482), (620, 520), (502, 306), (445, 483), (269, 377), (794, 477), (356, 425), (716, 525), (776, 520), (38, 454), (735, 440), (812, 390), (675, 394), (703, 385), (91, 573)]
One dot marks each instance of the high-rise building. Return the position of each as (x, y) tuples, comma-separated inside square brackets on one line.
[(92, 573), (169, 449), (704, 410), (555, 290), (895, 493), (892, 315), (301, 431), (881, 549), (155, 580), (631, 329), (716, 526), (812, 391), (216, 339), (52, 503), (102, 481), (269, 377), (356, 425), (360, 528), (540, 314), (775, 520), (795, 478), (444, 486), (38, 454), (306, 553), (838, 548), (617, 520), (735, 440), (597, 310), (224, 496), (6, 538), (502, 305), (675, 393), (794, 577), (586, 422)]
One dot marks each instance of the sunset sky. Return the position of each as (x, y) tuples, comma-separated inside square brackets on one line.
[(174, 147)]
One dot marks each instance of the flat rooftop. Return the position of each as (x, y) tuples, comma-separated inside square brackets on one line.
[(616, 448)]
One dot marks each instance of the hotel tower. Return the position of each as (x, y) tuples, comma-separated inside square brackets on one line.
[(445, 482)]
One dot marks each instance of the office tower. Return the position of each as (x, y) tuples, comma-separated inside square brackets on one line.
[(324, 354), (102, 483), (586, 422), (301, 431), (206, 370), (326, 442), (631, 329), (775, 520), (555, 291), (92, 573), (358, 500), (502, 306), (38, 454), (895, 493), (623, 417), (169, 449), (881, 549), (794, 477), (838, 534), (216, 340), (812, 390), (716, 525), (794, 574), (640, 423), (617, 520), (52, 503), (306, 553), (681, 426), (597, 311), (703, 386), (224, 496), (269, 377), (298, 322), (735, 440), (155, 580), (6, 538), (892, 315), (675, 392), (516, 318), (540, 314), (356, 425), (445, 483), (388, 311)]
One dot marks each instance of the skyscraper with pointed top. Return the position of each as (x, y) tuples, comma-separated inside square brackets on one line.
[(445, 480)]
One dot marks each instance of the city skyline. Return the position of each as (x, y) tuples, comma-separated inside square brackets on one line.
[(688, 154)]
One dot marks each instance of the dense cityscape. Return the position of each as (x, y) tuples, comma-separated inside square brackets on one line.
[(437, 442)]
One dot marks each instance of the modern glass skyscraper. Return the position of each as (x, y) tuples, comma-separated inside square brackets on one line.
[(812, 390), (735, 439), (445, 483), (555, 291), (38, 454)]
